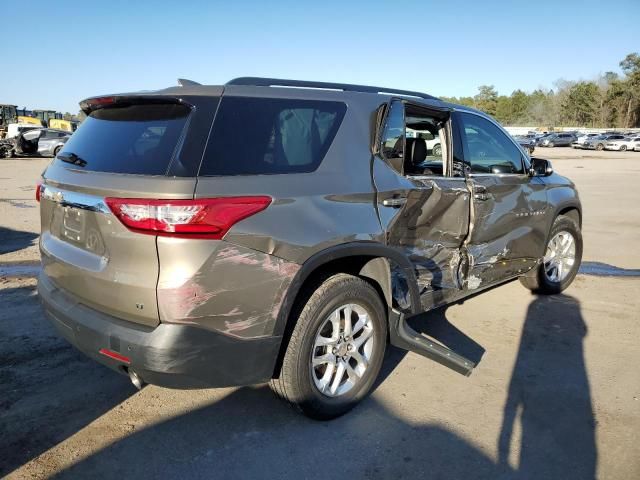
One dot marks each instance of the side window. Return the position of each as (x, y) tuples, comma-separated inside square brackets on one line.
[(259, 136), (487, 148), (392, 147)]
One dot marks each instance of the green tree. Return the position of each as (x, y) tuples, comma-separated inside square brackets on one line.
[(486, 99), (580, 106), (631, 68)]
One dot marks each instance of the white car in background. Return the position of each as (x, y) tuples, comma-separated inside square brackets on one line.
[(627, 143), (636, 147)]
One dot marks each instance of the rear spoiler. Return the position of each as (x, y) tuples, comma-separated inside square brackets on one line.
[(95, 103)]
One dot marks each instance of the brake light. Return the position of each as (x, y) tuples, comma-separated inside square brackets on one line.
[(38, 191), (202, 218)]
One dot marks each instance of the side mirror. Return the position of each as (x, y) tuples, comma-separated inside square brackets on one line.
[(540, 167)]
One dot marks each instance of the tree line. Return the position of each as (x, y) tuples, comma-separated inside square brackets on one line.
[(609, 101)]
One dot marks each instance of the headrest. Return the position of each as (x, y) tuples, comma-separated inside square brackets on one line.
[(419, 151)]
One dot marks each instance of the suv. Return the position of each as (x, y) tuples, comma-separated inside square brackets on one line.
[(210, 236), (558, 140)]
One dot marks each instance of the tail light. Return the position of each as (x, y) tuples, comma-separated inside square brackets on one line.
[(38, 191), (202, 218)]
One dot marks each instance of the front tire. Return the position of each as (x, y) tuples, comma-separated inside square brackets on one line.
[(561, 261), (336, 348), (623, 148), (599, 147), (437, 150)]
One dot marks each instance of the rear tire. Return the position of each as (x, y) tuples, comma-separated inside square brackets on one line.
[(623, 148), (599, 147), (306, 378), (540, 280), (56, 151), (437, 150)]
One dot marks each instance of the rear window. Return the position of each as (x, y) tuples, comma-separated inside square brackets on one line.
[(253, 136), (138, 139)]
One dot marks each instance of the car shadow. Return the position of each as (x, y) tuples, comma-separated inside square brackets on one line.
[(435, 325), (50, 391), (14, 240), (550, 394), (250, 434)]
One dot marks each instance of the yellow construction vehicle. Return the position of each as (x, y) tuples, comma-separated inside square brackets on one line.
[(67, 125), (8, 114), (30, 120)]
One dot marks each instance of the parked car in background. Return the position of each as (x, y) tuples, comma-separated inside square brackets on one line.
[(600, 141), (622, 145), (540, 136), (51, 141), (527, 142), (558, 140), (583, 138), (636, 147)]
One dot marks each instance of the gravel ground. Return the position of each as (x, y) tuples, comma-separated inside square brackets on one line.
[(555, 395)]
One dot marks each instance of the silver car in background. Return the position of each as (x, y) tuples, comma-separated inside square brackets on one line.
[(51, 141), (600, 141), (579, 143), (557, 140)]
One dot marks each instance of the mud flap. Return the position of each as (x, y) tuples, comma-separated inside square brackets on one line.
[(403, 336)]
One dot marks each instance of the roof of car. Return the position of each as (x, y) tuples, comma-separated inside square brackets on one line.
[(189, 87)]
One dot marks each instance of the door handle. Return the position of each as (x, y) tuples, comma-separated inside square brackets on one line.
[(395, 202), (480, 193)]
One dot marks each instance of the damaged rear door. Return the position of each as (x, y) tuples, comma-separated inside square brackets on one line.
[(508, 211), (423, 207)]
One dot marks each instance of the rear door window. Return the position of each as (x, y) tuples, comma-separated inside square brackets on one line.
[(137, 139), (253, 136)]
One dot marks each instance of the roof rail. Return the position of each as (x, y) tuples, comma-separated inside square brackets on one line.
[(185, 82), (277, 82)]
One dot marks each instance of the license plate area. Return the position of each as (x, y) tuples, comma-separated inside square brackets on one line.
[(73, 224)]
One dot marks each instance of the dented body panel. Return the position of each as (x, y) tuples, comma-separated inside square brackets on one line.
[(221, 287), (508, 226)]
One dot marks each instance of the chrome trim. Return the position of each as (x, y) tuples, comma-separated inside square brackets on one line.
[(82, 201), (394, 202)]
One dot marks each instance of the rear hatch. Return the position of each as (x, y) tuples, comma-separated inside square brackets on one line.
[(146, 147)]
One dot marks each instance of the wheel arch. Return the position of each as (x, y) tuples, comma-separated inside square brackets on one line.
[(368, 260), (572, 212)]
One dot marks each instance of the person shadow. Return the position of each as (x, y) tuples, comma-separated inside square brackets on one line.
[(549, 391)]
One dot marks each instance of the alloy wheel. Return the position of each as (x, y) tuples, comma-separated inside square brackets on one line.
[(342, 350), (560, 256)]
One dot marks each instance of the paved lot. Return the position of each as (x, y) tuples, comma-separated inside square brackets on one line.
[(556, 394)]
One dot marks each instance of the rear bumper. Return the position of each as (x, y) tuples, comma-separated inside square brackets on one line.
[(169, 355)]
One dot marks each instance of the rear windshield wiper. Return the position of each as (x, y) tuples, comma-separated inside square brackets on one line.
[(72, 158)]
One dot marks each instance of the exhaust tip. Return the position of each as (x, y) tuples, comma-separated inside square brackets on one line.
[(136, 380)]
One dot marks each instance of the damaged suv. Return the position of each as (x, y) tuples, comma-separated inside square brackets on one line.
[(210, 236)]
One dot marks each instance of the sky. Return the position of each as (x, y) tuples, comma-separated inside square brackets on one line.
[(55, 53)]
